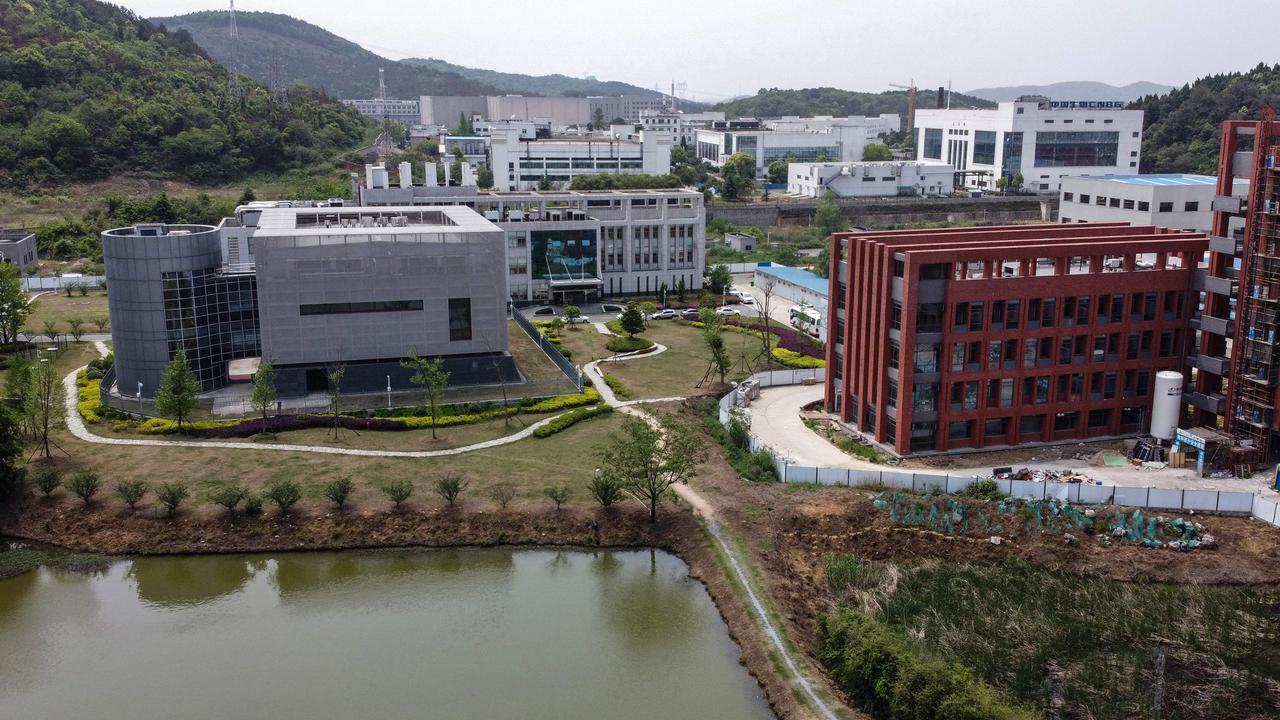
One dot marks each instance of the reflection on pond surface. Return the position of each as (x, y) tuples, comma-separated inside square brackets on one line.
[(492, 633)]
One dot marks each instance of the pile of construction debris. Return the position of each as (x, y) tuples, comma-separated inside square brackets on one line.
[(1044, 475)]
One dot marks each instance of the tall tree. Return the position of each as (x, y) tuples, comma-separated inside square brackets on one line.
[(11, 471), (597, 119), (827, 217), (430, 374), (176, 396), (43, 405), (777, 172), (647, 461), (13, 302), (718, 278), (632, 320), (263, 395), (766, 337), (877, 152)]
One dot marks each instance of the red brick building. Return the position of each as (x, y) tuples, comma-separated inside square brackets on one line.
[(943, 340)]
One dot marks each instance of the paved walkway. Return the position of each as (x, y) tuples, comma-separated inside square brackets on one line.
[(775, 419)]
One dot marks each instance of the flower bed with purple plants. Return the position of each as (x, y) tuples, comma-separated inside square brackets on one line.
[(788, 338)]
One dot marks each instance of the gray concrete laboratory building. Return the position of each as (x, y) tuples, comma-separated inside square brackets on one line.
[(311, 288)]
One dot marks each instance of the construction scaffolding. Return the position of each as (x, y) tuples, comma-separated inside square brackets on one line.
[(1254, 373)]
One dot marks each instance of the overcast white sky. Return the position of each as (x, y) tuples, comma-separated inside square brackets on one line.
[(723, 48)]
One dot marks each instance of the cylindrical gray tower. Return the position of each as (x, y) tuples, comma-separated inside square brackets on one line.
[(150, 269)]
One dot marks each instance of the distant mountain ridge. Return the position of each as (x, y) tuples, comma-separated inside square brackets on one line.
[(555, 84), (807, 102), (1080, 90), (312, 55)]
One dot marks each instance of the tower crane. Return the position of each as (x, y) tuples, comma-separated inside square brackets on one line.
[(911, 103)]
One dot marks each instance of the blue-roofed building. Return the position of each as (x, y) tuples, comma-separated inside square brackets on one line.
[(796, 286), (1172, 200)]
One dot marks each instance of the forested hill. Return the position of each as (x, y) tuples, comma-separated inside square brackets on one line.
[(315, 56), (520, 83), (832, 101), (1184, 128), (88, 89)]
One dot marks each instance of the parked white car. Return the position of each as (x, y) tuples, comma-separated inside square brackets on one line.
[(667, 314), (726, 310)]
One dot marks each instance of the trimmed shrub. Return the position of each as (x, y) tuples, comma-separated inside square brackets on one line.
[(84, 485), (450, 487), (605, 490), (558, 494), (284, 493), (228, 496), (172, 495), (47, 480), (131, 492), (570, 419), (792, 359), (616, 386), (615, 327), (338, 491), (398, 490), (983, 490), (252, 504), (503, 493), (624, 344)]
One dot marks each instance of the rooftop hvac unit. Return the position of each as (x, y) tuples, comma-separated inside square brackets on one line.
[(366, 222)]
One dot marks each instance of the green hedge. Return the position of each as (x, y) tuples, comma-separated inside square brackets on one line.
[(793, 359), (625, 344), (571, 418), (616, 386), (886, 679), (615, 327)]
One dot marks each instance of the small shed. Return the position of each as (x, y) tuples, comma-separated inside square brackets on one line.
[(741, 242)]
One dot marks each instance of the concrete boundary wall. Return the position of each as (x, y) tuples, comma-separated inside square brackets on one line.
[(1199, 500)]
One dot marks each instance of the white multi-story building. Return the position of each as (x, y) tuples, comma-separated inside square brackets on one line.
[(567, 245), (520, 164), (823, 139), (405, 112), (1183, 202), (681, 126), (870, 179), (1044, 140)]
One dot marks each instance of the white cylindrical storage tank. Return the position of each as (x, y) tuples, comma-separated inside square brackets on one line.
[(406, 175), (1166, 407)]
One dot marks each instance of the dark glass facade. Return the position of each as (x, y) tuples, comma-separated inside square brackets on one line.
[(984, 147), (1076, 149), (563, 254), (933, 143), (214, 318), (1012, 157)]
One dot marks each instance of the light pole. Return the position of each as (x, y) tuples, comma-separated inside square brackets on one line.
[(388, 392), (139, 397), (597, 474)]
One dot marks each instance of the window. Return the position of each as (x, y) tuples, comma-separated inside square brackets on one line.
[(359, 307), (1066, 421), (927, 358), (1012, 315), (1102, 200), (984, 147), (1128, 204), (1114, 202), (924, 397), (1192, 206), (1031, 424), (1084, 199), (996, 427), (975, 316), (932, 147), (929, 318), (1166, 207), (1076, 149), (960, 430), (459, 319), (1144, 206), (1068, 197)]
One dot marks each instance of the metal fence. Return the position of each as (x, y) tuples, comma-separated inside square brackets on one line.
[(569, 369), (1173, 499), (36, 284)]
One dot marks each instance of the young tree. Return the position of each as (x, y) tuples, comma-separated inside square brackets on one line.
[(766, 337), (176, 396), (718, 278), (101, 322), (877, 152), (284, 493), (47, 480), (131, 492), (720, 360), (42, 405), (503, 493), (484, 177), (77, 328), (572, 313), (632, 320), (336, 373), (545, 184), (450, 487), (398, 491), (430, 374), (827, 218), (338, 491), (247, 196), (777, 172), (84, 485), (558, 494), (263, 395), (13, 303), (51, 330), (646, 461), (171, 495), (682, 291), (597, 119)]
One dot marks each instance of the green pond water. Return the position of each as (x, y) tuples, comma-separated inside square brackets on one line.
[(484, 633)]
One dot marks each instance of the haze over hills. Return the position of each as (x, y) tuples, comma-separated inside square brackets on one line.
[(1082, 90), (773, 102), (317, 57), (533, 84)]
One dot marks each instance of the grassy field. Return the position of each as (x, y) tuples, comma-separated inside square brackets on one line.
[(678, 371), (59, 308), (1011, 621)]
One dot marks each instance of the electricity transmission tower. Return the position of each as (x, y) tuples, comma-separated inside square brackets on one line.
[(279, 88), (385, 144), (233, 83)]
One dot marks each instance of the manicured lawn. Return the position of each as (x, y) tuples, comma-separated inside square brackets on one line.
[(60, 308), (678, 371)]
